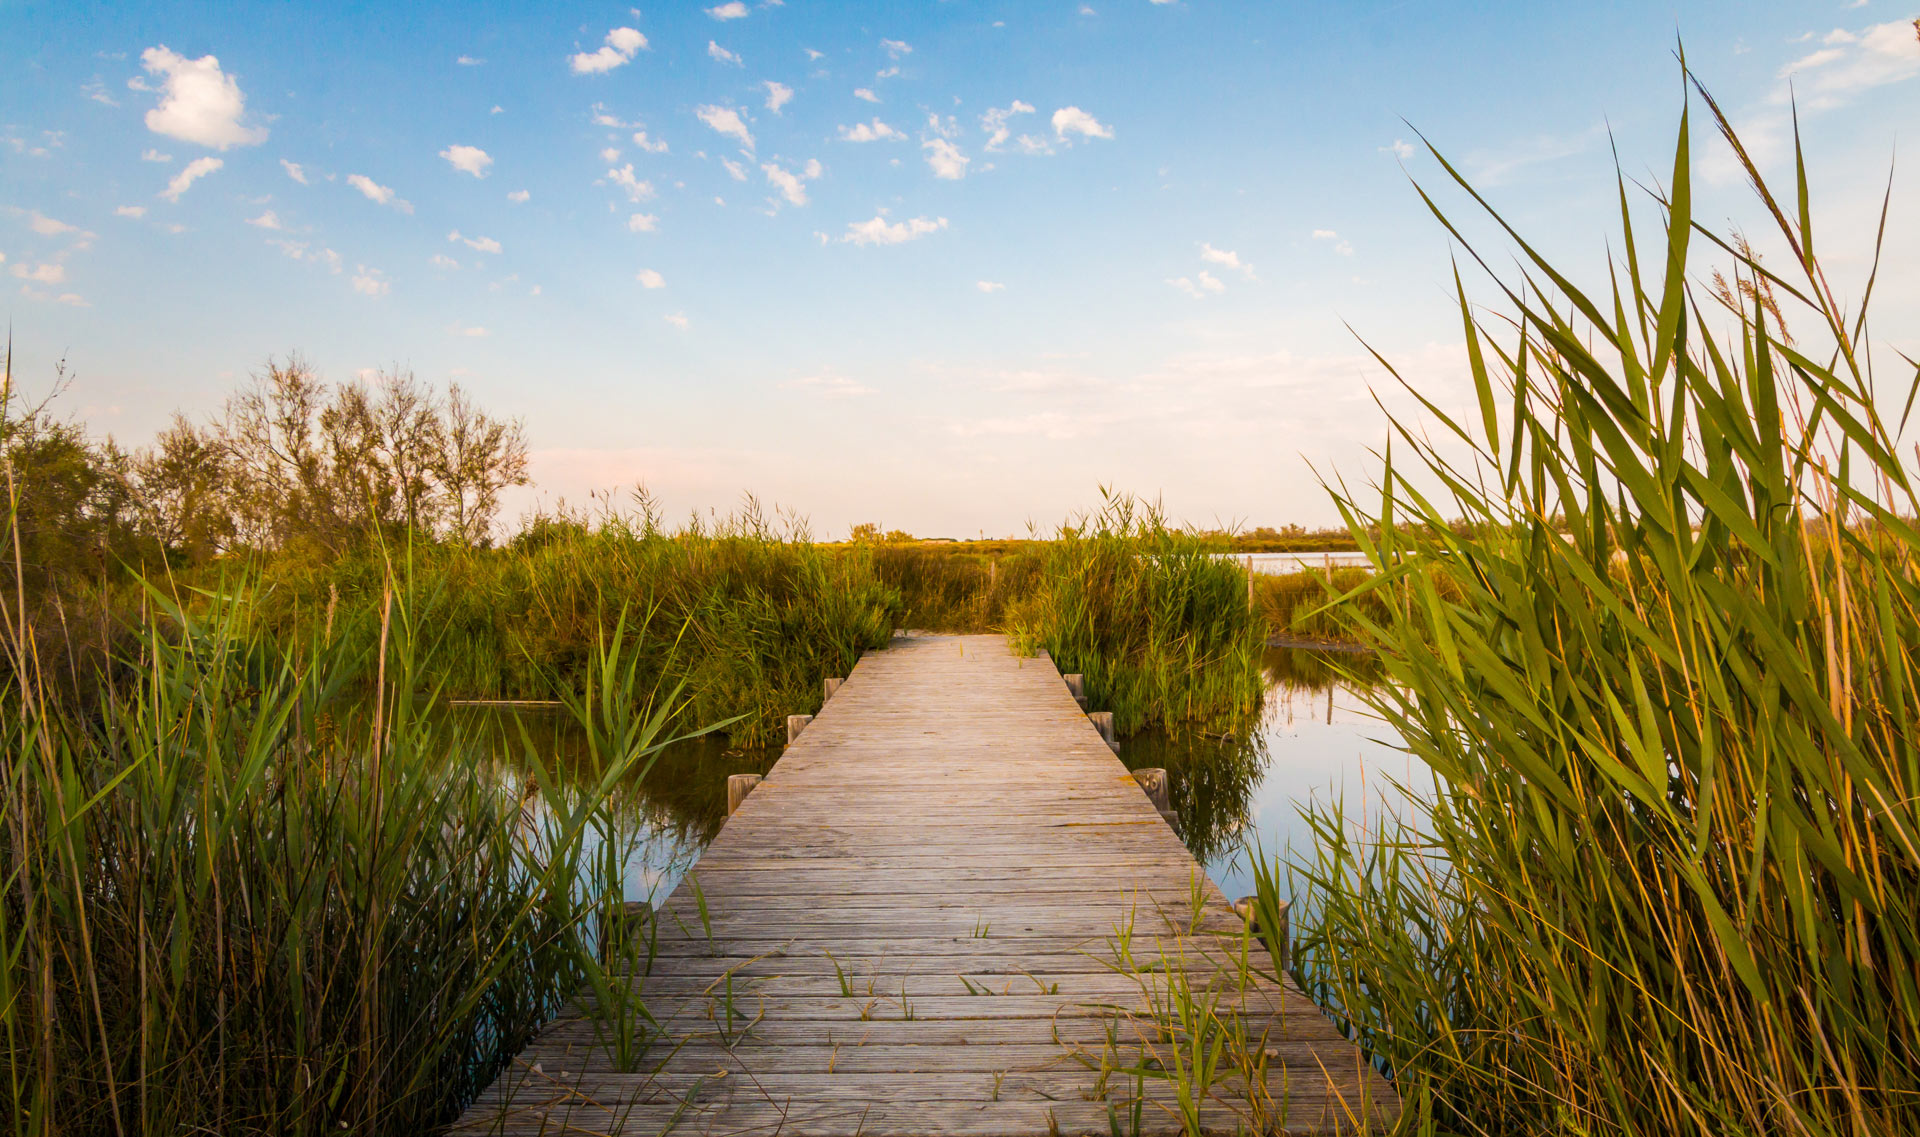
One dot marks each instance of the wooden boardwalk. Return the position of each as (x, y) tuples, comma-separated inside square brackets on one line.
[(949, 909)]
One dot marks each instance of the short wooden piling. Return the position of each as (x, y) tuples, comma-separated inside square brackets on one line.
[(1077, 685), (1153, 780), (833, 685), (1279, 939), (796, 724), (1103, 722), (738, 787)]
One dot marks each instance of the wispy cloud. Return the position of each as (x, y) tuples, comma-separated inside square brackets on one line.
[(295, 171), (726, 121), (827, 385), (468, 159), (880, 231), (377, 193), (192, 172), (945, 159), (721, 55), (650, 279), (478, 244), (864, 95), (1072, 120), (790, 184), (778, 95), (636, 188), (874, 131), (620, 47), (1225, 258), (734, 10)]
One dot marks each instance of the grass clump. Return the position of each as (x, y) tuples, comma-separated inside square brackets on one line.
[(1156, 619), (242, 897), (1666, 880)]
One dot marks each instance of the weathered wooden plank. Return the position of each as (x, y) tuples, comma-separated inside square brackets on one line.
[(943, 911)]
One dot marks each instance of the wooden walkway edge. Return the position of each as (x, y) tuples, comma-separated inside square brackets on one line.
[(949, 909)]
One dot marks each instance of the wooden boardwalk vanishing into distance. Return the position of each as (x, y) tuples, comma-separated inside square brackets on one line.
[(949, 909)]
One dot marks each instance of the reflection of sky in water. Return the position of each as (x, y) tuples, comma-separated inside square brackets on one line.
[(1316, 740), (1320, 743)]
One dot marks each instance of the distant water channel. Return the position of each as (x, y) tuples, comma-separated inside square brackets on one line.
[(1315, 738)]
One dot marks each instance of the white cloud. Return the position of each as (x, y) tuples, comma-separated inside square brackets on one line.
[(869, 132), (725, 120), (778, 95), (369, 281), (478, 244), (945, 159), (1339, 246), (152, 155), (468, 159), (1856, 61), (994, 122), (377, 193), (267, 220), (294, 171), (1200, 288), (519, 197), (473, 332), (620, 47), (790, 184), (734, 10), (442, 260), (814, 56), (199, 103), (610, 154), (1401, 149), (827, 385), (879, 232), (42, 274), (73, 299), (721, 55), (863, 93), (989, 286), (636, 189), (650, 279), (192, 172), (643, 223), (896, 48), (1073, 120), (134, 211), (677, 320), (469, 61), (48, 227), (649, 145), (498, 109), (734, 169), (887, 72), (1226, 258)]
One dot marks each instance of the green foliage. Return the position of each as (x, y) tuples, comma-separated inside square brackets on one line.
[(1667, 684), (243, 898), (1155, 618)]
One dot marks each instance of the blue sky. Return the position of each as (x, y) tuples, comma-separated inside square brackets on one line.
[(947, 267)]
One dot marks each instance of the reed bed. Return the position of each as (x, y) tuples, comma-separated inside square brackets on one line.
[(242, 898), (1666, 877), (1154, 617)]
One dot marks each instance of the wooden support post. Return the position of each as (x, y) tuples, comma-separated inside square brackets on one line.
[(738, 787), (1249, 584), (796, 724), (1103, 722), (833, 685), (1154, 781), (1077, 684), (1281, 936)]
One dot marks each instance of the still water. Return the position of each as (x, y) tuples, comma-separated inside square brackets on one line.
[(1315, 738)]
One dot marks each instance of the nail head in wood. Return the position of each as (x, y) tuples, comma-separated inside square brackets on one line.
[(738, 787), (796, 724)]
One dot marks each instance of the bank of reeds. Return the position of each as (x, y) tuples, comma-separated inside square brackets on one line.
[(1154, 617), (264, 888), (1666, 879)]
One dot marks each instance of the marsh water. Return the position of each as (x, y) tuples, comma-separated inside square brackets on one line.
[(1314, 738)]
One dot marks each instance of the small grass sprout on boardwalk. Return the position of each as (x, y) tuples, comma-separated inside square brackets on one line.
[(1667, 680)]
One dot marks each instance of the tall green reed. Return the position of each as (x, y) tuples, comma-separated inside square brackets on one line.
[(243, 897), (1157, 619), (1666, 680)]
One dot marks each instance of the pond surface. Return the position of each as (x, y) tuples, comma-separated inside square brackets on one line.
[(1315, 738)]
